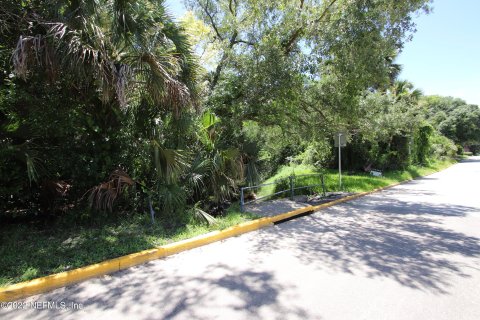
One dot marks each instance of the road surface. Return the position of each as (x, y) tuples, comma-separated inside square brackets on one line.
[(409, 252)]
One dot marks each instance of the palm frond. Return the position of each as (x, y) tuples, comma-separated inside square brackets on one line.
[(252, 176), (162, 85), (28, 154), (207, 133), (150, 54), (172, 199), (233, 162), (198, 171), (201, 215), (169, 163), (103, 196), (31, 168)]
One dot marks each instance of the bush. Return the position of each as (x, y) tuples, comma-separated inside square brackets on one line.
[(475, 148), (459, 149), (442, 147), (391, 155), (317, 153)]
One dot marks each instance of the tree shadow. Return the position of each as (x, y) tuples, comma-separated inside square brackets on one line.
[(274, 207), (243, 292), (380, 237), (473, 159)]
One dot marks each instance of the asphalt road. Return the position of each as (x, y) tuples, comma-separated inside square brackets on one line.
[(410, 252)]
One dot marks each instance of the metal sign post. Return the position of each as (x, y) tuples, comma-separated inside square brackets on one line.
[(340, 161), (340, 141)]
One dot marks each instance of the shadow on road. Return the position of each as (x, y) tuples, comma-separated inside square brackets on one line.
[(181, 296), (474, 159), (381, 237)]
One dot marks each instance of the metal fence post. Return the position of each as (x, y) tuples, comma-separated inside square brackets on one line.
[(242, 201), (292, 186), (323, 185)]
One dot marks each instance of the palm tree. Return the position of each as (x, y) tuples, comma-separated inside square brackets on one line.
[(128, 49), (222, 168), (394, 69), (404, 91), (128, 52)]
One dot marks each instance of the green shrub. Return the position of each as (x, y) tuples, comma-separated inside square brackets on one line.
[(475, 148), (442, 147), (459, 149), (317, 153)]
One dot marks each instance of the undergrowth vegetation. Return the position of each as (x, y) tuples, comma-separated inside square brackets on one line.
[(30, 251), (305, 175)]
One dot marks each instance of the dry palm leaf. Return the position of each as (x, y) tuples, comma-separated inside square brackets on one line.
[(103, 196)]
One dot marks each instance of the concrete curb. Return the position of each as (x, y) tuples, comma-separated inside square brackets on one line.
[(40, 285), (44, 284)]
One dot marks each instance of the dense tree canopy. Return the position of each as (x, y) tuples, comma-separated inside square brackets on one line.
[(454, 118), (174, 115), (274, 55)]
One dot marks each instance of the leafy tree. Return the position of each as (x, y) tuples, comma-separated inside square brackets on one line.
[(383, 133), (454, 118), (95, 90), (301, 64), (423, 143)]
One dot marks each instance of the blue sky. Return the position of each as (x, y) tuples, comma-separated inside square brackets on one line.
[(444, 56)]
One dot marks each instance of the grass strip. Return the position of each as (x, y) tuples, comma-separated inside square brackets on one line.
[(352, 182), (28, 251)]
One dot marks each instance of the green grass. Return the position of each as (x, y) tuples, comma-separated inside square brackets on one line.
[(282, 174), (358, 182), (28, 251)]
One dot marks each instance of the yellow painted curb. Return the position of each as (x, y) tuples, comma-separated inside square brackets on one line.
[(353, 196), (44, 284)]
